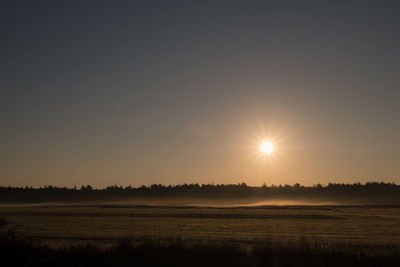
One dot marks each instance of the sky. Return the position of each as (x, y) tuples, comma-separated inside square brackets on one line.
[(170, 92)]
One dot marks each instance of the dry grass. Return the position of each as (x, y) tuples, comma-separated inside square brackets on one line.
[(364, 226)]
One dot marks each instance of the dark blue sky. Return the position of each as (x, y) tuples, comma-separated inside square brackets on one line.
[(139, 92)]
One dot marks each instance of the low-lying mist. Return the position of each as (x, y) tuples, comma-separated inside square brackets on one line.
[(187, 202)]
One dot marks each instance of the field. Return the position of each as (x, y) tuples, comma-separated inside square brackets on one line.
[(361, 226)]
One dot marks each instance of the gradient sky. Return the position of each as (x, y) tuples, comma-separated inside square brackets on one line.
[(142, 92)]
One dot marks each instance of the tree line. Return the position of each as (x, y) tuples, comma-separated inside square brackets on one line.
[(371, 191)]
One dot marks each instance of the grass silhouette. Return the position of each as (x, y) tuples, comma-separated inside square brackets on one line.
[(17, 250)]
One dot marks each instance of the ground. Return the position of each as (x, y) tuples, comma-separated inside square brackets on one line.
[(105, 224)]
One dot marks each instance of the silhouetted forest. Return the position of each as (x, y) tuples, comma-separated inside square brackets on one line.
[(370, 193)]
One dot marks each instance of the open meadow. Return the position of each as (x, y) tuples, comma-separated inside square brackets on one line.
[(364, 226)]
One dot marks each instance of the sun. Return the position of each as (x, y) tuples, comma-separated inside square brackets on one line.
[(267, 147)]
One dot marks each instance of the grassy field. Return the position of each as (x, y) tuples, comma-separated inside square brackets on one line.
[(360, 226)]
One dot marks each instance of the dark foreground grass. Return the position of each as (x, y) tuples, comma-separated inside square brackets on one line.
[(15, 251)]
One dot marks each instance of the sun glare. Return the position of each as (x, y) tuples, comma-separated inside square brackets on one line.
[(267, 147)]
